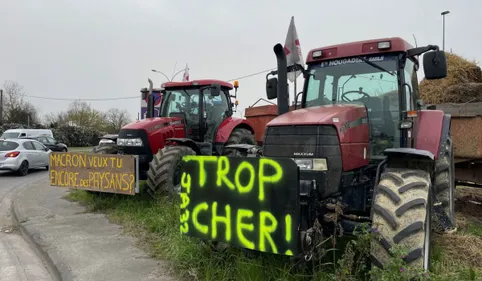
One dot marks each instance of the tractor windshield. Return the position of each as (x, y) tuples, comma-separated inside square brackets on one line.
[(184, 103), (354, 80)]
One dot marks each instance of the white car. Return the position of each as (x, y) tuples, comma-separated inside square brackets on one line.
[(21, 155)]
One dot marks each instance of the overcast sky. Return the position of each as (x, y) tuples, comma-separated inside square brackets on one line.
[(106, 48)]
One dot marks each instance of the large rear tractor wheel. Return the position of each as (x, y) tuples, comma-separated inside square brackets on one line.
[(444, 182), (238, 136), (402, 216), (164, 174)]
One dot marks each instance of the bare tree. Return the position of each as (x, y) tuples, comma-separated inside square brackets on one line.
[(56, 119), (82, 114), (16, 108), (115, 119)]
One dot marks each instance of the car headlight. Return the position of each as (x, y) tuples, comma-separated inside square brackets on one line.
[(129, 142), (315, 164)]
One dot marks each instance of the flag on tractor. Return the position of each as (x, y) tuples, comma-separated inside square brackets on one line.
[(185, 77), (293, 51)]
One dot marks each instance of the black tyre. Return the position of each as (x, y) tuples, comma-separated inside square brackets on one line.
[(444, 181), (401, 215), (23, 169), (238, 136), (164, 174), (105, 149)]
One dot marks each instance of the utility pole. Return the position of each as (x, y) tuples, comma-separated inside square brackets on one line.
[(443, 40), (1, 107)]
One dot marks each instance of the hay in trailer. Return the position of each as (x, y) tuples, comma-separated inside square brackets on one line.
[(462, 93), (459, 71)]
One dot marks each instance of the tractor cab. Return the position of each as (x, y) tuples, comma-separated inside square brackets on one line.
[(373, 82), (382, 78), (203, 105)]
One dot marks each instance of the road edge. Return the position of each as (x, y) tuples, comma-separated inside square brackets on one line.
[(51, 266)]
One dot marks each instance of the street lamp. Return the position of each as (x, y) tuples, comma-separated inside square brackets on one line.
[(443, 40), (172, 78)]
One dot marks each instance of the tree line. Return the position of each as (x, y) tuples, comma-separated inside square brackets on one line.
[(16, 109)]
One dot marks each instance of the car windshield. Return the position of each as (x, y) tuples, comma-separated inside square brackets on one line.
[(9, 135), (8, 145)]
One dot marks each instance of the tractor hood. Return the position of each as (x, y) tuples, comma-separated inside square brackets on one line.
[(326, 114), (150, 124)]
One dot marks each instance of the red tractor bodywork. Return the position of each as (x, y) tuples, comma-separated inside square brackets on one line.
[(155, 131), (353, 140)]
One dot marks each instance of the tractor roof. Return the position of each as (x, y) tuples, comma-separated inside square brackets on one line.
[(203, 82), (359, 48)]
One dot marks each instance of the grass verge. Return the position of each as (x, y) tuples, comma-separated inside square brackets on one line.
[(156, 225)]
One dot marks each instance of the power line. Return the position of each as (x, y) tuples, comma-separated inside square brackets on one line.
[(252, 74), (101, 99), (135, 97)]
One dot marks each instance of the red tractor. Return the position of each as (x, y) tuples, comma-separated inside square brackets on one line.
[(367, 148), (195, 117)]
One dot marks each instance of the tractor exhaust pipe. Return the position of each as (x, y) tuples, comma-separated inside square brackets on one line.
[(283, 95), (150, 101)]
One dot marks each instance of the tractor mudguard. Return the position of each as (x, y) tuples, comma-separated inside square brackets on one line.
[(429, 132), (409, 152), (232, 200), (228, 125), (186, 142)]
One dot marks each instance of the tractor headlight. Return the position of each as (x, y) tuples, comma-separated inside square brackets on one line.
[(129, 142), (315, 164)]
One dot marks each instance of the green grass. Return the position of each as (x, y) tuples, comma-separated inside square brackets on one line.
[(80, 149), (156, 225)]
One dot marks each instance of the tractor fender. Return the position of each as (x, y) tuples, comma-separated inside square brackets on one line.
[(432, 130), (228, 125), (402, 157), (419, 154), (186, 142)]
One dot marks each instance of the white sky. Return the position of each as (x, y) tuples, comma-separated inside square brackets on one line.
[(106, 48)]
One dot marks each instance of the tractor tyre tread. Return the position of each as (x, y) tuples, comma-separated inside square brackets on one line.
[(238, 136), (399, 215), (162, 168), (105, 149), (444, 182)]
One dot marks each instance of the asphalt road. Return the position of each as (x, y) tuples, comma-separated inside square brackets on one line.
[(18, 261)]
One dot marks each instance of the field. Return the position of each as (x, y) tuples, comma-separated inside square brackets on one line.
[(455, 256)]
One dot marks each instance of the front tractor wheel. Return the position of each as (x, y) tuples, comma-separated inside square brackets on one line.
[(164, 174), (402, 216), (238, 136)]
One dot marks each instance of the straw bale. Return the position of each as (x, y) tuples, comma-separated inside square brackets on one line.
[(465, 92), (459, 71)]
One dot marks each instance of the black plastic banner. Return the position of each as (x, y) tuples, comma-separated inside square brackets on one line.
[(249, 202)]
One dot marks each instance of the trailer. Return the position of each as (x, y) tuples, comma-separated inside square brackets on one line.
[(466, 132)]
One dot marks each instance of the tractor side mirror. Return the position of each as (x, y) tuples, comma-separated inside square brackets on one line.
[(144, 95), (215, 90), (435, 65), (272, 88)]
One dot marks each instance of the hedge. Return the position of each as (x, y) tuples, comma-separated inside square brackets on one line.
[(72, 136)]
